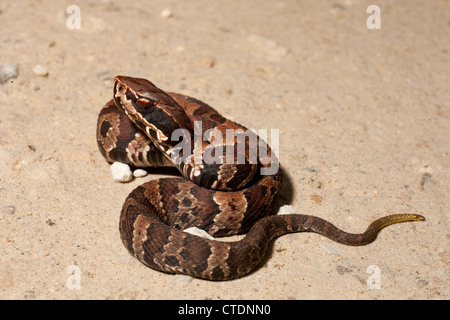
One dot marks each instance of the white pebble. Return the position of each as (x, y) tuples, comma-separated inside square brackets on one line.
[(166, 13), (183, 277), (287, 209), (199, 232), (121, 172), (139, 173), (8, 71), (40, 71)]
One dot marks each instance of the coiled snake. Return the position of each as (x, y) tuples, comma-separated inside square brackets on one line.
[(143, 126)]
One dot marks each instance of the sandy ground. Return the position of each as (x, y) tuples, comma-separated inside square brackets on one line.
[(364, 119)]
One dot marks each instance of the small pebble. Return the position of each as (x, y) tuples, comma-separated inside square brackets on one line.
[(207, 62), (343, 269), (287, 209), (8, 209), (183, 277), (139, 173), (8, 71), (121, 172), (422, 282), (40, 71), (166, 13)]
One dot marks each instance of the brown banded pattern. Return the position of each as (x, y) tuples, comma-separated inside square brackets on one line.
[(222, 199)]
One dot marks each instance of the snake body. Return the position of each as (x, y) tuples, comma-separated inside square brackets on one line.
[(137, 127)]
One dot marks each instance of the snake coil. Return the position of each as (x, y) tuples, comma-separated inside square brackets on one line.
[(222, 198)]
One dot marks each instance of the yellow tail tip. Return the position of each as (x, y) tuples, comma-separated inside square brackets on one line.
[(414, 217), (395, 218)]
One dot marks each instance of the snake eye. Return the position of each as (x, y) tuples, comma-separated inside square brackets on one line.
[(144, 104)]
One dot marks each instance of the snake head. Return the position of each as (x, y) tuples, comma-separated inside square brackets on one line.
[(151, 109)]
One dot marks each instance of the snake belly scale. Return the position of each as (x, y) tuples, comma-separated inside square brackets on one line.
[(222, 198)]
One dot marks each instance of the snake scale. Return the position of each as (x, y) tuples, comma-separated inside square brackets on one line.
[(221, 197)]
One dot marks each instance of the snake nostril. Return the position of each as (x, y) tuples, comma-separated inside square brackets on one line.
[(118, 87)]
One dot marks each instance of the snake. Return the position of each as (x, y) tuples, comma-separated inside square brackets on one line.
[(222, 188)]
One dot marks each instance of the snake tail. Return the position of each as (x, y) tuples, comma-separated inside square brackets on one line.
[(278, 225)]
